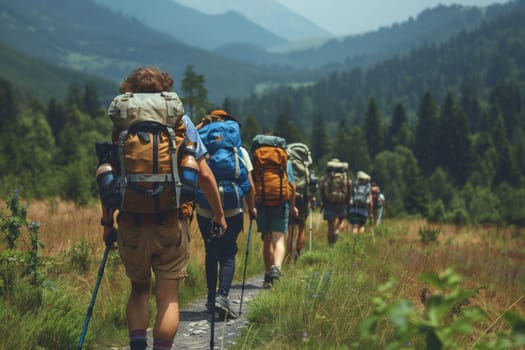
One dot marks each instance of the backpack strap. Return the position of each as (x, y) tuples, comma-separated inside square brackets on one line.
[(237, 164), (123, 105), (175, 171), (122, 183), (171, 105)]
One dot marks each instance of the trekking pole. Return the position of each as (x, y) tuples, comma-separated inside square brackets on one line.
[(111, 238), (290, 243), (310, 229), (318, 220), (212, 321), (245, 264), (214, 233)]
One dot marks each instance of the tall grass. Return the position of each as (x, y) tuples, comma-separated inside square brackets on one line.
[(70, 258), (320, 303), (367, 292)]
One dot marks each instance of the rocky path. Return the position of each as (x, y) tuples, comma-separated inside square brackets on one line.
[(195, 324)]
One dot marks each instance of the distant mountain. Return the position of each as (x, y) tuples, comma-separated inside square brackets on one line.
[(43, 80), (195, 28), (432, 26), (268, 14), (83, 35), (477, 66)]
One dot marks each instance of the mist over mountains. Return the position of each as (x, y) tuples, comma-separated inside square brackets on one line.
[(235, 55)]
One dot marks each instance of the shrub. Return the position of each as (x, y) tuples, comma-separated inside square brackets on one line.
[(80, 256), (429, 234)]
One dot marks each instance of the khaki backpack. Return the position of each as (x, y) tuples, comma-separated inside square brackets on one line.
[(151, 139), (301, 159), (335, 182), (270, 165)]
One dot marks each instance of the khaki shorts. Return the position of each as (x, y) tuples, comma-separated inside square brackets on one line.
[(145, 245)]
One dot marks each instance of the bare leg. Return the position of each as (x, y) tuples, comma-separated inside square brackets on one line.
[(167, 321), (267, 251), (137, 310), (279, 249)]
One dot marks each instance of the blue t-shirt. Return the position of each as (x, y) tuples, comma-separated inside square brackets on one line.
[(193, 136), (289, 170)]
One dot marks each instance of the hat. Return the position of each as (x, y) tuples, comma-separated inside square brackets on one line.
[(222, 115), (363, 176), (336, 163), (219, 113)]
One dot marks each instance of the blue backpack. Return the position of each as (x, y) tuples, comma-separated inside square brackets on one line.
[(222, 138)]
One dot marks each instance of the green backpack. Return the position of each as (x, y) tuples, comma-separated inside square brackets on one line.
[(335, 182), (301, 159)]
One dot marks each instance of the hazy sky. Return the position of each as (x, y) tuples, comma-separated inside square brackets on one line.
[(342, 17)]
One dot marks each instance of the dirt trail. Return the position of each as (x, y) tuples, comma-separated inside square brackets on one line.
[(195, 324)]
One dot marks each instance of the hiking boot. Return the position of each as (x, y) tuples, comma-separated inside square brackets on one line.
[(275, 273), (267, 281), (222, 307)]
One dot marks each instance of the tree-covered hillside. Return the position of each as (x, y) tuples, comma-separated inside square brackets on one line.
[(88, 37), (432, 26), (442, 129), (43, 80)]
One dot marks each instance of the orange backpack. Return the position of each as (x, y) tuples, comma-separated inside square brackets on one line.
[(151, 140), (270, 165)]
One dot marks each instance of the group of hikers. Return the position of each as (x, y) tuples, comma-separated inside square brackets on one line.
[(160, 168)]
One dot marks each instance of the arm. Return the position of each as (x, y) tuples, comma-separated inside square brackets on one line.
[(291, 183), (209, 186), (206, 178), (250, 199), (107, 222), (371, 208), (293, 210), (350, 189), (321, 193)]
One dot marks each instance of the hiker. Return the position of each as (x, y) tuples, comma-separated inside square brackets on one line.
[(378, 199), (231, 165), (148, 237), (300, 157), (335, 188), (361, 206), (274, 200)]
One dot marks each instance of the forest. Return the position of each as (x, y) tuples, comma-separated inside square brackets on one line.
[(440, 129)]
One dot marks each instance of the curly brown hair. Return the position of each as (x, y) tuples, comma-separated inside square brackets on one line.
[(147, 79)]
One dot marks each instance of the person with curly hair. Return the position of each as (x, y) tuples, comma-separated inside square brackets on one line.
[(159, 243)]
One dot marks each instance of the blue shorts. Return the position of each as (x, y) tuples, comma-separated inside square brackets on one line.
[(333, 211), (357, 216), (272, 219)]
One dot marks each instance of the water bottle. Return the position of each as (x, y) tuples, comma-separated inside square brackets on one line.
[(189, 172), (107, 186)]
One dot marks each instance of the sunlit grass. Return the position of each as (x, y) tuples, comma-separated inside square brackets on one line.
[(319, 303), (309, 310)]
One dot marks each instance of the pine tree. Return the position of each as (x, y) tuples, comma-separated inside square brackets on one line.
[(373, 128), (196, 93), (506, 168), (249, 129), (356, 150), (426, 142), (454, 152), (320, 145), (91, 103), (399, 131), (8, 105), (56, 117)]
